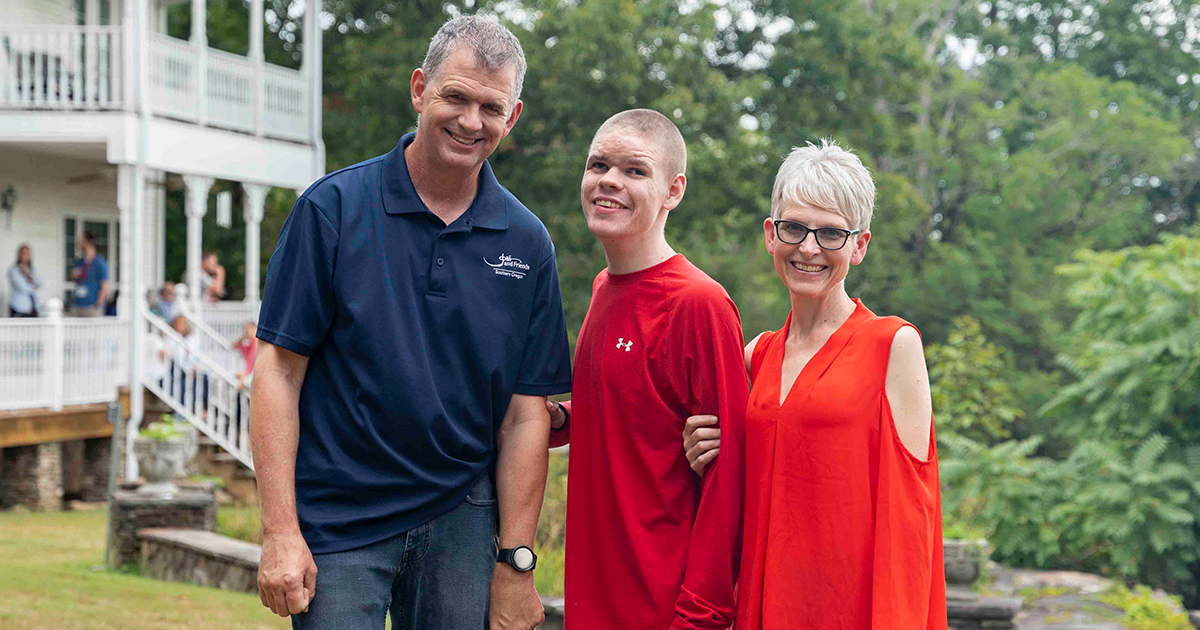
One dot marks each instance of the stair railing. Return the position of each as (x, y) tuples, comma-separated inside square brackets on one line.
[(197, 388), (213, 344)]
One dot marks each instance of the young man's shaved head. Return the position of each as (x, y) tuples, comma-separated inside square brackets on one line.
[(658, 129)]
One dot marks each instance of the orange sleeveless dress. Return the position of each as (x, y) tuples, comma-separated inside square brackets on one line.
[(843, 525)]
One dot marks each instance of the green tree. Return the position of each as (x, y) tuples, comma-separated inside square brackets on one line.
[(967, 380), (1137, 341)]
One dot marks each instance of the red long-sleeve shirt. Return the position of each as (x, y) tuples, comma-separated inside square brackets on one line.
[(648, 544)]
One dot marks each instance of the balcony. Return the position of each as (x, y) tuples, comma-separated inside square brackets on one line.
[(77, 68)]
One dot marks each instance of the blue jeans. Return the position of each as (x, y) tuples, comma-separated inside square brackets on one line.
[(437, 576)]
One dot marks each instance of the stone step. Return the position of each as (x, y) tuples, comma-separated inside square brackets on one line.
[(200, 557), (967, 610)]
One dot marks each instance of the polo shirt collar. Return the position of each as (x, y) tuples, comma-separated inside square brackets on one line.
[(400, 197)]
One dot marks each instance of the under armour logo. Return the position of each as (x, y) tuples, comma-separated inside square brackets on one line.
[(626, 345)]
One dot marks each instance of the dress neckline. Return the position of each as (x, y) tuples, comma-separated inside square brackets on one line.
[(824, 356)]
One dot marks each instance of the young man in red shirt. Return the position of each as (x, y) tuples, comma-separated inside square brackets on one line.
[(649, 544)]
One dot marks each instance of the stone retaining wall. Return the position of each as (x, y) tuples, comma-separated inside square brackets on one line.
[(129, 512), (200, 557)]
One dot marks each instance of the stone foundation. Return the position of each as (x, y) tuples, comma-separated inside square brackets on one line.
[(72, 468), (200, 557), (129, 512), (32, 476), (93, 486), (968, 611)]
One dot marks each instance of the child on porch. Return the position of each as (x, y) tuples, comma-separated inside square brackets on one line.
[(246, 345)]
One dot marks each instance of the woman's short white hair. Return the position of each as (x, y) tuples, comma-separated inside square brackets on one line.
[(828, 177)]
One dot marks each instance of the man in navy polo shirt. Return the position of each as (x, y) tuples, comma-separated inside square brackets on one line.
[(412, 326)]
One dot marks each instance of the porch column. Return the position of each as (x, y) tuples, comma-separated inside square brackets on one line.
[(256, 197), (311, 62), (151, 222), (160, 230), (125, 261), (91, 52), (128, 55), (256, 58), (199, 39), (195, 207)]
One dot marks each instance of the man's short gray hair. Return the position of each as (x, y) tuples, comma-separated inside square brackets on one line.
[(495, 48), (828, 177)]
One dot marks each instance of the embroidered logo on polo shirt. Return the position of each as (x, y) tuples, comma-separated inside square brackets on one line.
[(510, 266), (624, 345)]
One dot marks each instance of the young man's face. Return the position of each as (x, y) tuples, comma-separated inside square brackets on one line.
[(209, 263), (465, 111), (625, 191)]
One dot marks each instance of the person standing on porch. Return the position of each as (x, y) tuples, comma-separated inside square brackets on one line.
[(212, 278), (23, 283), (90, 274), (165, 307), (411, 328)]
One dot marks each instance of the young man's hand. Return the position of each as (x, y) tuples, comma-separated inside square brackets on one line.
[(515, 602), (558, 415), (701, 441)]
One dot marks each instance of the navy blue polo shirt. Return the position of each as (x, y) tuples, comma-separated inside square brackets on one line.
[(418, 334)]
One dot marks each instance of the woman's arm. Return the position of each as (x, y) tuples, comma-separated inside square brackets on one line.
[(907, 390), (750, 349)]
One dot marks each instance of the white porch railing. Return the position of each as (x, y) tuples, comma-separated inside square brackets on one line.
[(228, 318), (61, 67), (285, 103), (57, 361), (232, 90), (198, 389), (217, 343), (83, 67)]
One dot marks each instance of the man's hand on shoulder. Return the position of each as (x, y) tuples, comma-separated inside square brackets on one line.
[(287, 575), (515, 602)]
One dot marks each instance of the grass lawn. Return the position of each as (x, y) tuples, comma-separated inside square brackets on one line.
[(49, 578)]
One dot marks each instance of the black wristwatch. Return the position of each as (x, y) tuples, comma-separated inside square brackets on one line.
[(520, 558)]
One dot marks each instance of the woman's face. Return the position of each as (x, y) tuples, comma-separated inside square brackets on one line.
[(24, 256), (807, 270)]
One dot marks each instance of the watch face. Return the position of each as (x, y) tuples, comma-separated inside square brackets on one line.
[(523, 558)]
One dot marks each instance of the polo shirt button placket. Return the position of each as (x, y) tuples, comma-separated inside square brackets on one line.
[(441, 261)]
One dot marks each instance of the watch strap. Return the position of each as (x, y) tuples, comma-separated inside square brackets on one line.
[(508, 556)]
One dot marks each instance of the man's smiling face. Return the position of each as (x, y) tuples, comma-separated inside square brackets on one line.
[(465, 111), (625, 189)]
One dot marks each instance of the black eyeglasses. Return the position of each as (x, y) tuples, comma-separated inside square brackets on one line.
[(829, 238)]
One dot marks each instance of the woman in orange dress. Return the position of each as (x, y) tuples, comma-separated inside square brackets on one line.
[(843, 526)]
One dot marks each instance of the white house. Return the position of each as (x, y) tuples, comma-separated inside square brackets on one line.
[(99, 107)]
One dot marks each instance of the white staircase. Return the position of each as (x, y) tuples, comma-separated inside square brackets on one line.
[(193, 377)]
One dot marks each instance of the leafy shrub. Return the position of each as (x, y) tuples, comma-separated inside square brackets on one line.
[(1146, 611), (161, 431)]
